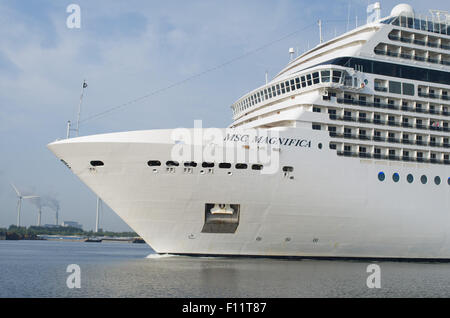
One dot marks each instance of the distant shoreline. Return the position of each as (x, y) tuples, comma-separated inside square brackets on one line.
[(60, 233)]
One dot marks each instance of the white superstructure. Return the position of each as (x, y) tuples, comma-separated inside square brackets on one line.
[(345, 153)]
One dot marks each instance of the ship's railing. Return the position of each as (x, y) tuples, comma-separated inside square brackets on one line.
[(428, 43), (411, 57), (395, 106), (389, 139), (392, 123), (368, 155), (428, 24)]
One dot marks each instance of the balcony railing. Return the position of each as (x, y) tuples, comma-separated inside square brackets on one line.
[(416, 109), (363, 154), (334, 134)]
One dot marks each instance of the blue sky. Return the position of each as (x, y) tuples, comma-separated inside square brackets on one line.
[(127, 49)]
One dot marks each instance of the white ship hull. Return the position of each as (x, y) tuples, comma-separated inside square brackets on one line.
[(332, 207)]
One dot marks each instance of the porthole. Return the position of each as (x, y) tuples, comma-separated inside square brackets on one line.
[(153, 163), (437, 180), (241, 166), (190, 164), (424, 179), (320, 145), (225, 165), (288, 169), (97, 163), (381, 176), (396, 177), (410, 178), (257, 167), (448, 181), (208, 164), (172, 163)]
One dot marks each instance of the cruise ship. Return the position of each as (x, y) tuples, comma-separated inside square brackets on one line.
[(343, 154)]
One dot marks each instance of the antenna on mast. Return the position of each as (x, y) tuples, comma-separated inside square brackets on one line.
[(320, 30), (69, 124)]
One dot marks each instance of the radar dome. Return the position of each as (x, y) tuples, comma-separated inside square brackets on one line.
[(403, 9)]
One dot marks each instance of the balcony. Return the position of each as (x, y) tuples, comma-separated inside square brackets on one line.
[(406, 56), (406, 40), (393, 123), (363, 137), (393, 140), (393, 54)]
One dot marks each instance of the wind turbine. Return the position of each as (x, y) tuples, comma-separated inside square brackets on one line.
[(19, 202)]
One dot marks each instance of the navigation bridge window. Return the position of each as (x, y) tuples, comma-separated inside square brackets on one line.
[(287, 86)]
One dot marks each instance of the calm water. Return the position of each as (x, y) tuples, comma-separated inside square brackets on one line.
[(38, 269)]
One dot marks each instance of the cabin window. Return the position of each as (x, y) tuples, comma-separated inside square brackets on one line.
[(395, 87), (408, 89), (437, 180), (257, 167), (288, 88), (241, 166), (154, 163), (381, 176), (337, 76), (190, 164), (97, 163), (396, 177), (410, 178), (303, 81), (423, 179), (208, 164), (171, 163), (292, 85), (316, 79), (325, 76), (225, 165)]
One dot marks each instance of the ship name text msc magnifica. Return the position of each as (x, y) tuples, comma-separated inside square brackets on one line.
[(269, 140)]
